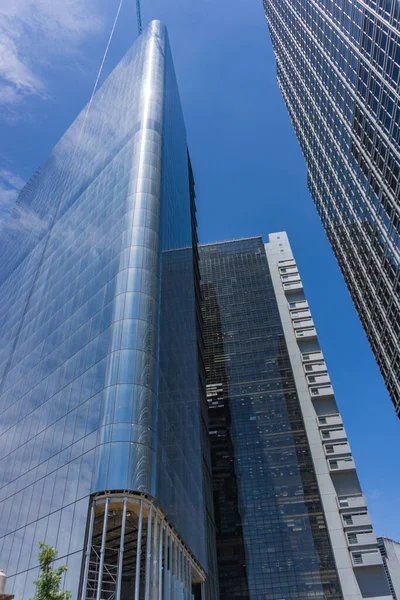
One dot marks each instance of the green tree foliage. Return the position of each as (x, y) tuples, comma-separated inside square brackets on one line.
[(49, 581)]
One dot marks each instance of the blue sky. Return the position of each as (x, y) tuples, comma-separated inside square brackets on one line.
[(250, 175)]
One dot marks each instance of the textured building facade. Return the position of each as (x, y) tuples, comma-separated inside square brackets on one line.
[(291, 518), (102, 396), (390, 551), (338, 66)]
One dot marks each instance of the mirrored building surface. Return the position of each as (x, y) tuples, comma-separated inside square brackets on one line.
[(338, 65), (103, 443), (291, 518)]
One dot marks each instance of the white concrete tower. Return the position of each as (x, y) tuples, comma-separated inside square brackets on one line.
[(354, 544)]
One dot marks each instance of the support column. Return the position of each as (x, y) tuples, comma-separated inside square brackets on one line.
[(139, 551), (167, 568), (121, 551), (87, 553), (160, 562), (148, 553), (102, 551), (154, 562)]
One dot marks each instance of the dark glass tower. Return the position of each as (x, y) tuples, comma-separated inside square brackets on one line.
[(286, 492), (103, 445), (338, 64)]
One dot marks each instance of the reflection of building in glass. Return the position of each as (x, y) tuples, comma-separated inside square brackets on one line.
[(291, 518), (231, 551), (338, 69), (103, 448)]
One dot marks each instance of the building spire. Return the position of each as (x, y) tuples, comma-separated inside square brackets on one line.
[(139, 17)]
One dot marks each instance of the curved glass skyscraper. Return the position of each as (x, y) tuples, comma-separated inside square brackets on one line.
[(103, 444)]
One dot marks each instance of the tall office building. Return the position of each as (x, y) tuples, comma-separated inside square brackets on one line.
[(338, 64), (291, 518), (103, 444)]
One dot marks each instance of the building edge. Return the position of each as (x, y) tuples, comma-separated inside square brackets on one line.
[(354, 544)]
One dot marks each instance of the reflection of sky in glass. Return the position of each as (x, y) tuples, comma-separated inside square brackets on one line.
[(84, 287), (268, 544), (339, 72)]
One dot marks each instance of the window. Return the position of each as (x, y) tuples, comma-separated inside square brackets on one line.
[(311, 379), (348, 519), (306, 357), (326, 435), (309, 367), (283, 270), (330, 449), (292, 304), (322, 420), (352, 537), (357, 559)]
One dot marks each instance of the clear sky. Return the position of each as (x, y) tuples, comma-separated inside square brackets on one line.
[(250, 175)]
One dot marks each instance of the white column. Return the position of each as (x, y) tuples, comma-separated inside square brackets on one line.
[(139, 551), (148, 554), (87, 553), (121, 550), (102, 550)]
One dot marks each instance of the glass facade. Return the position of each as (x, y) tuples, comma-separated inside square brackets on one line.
[(101, 386), (338, 64), (272, 537)]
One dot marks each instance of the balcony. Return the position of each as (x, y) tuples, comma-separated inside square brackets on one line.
[(298, 305), (361, 519), (300, 313), (337, 449), (318, 379), (290, 262), (367, 558), (300, 323), (340, 465), (361, 538), (295, 277), (289, 270), (308, 356), (354, 501), (326, 390), (330, 420), (306, 334), (319, 367), (293, 287), (338, 434)]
